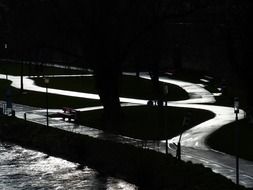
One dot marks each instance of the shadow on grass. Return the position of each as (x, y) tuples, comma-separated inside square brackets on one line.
[(129, 86), (38, 99), (224, 139), (149, 122)]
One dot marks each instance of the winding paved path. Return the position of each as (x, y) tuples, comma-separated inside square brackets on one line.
[(193, 141)]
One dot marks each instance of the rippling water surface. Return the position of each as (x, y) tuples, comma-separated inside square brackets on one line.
[(26, 169)]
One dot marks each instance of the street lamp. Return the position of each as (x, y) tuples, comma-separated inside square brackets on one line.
[(185, 124), (236, 111), (46, 80), (236, 105)]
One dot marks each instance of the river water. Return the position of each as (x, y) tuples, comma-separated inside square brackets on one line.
[(27, 169)]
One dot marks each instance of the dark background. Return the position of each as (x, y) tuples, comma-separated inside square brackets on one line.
[(211, 36)]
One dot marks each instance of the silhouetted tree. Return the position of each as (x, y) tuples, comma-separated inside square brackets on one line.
[(104, 33)]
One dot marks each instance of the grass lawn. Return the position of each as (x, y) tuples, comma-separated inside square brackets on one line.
[(39, 99), (130, 86), (224, 139), (146, 122), (226, 99), (189, 75), (15, 69)]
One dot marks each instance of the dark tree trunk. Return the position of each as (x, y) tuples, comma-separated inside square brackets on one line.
[(155, 62), (107, 85), (105, 42)]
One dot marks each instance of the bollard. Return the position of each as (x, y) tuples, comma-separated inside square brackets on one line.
[(25, 116)]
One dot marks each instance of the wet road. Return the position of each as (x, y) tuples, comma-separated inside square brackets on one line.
[(193, 146)]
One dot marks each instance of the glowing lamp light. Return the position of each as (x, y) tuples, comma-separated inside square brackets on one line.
[(46, 80), (236, 105)]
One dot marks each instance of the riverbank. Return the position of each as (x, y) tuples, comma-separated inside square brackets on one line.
[(147, 168), (26, 169)]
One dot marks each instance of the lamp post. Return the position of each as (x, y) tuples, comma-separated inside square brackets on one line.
[(21, 77), (236, 111), (164, 100), (46, 80), (185, 125)]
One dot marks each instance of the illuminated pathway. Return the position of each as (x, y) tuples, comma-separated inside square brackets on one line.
[(193, 141)]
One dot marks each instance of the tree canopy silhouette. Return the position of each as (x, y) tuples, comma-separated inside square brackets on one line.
[(104, 34)]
